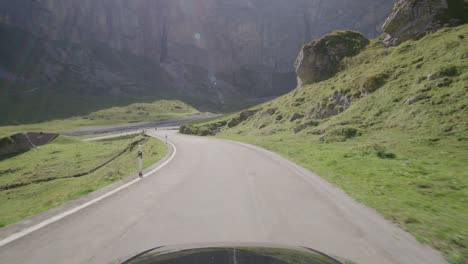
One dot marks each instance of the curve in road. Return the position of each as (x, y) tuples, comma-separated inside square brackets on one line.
[(221, 191)]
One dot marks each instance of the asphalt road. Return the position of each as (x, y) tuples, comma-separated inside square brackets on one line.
[(221, 191)]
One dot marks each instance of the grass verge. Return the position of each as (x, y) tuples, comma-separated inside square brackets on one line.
[(421, 187), (60, 159)]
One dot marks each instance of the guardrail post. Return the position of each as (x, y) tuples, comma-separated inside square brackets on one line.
[(140, 160)]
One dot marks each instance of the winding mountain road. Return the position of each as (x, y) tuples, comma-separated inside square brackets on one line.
[(221, 191)]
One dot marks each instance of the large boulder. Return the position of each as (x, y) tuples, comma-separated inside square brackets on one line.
[(23, 142), (413, 19), (320, 59), (15, 144)]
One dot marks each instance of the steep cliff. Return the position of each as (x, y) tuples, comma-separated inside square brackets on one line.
[(228, 34), (212, 50), (413, 19)]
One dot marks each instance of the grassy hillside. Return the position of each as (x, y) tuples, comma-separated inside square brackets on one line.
[(159, 110), (49, 176), (391, 129)]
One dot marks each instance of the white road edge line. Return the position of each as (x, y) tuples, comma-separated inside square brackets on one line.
[(51, 220)]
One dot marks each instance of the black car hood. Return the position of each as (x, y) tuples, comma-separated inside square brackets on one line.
[(231, 254)]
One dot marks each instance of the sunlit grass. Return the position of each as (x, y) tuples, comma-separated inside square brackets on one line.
[(63, 158)]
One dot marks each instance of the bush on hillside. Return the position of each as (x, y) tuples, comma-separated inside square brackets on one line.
[(340, 134)]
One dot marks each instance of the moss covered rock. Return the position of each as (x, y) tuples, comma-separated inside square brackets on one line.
[(320, 59)]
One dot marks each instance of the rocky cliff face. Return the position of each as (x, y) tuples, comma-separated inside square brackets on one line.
[(413, 19), (243, 48)]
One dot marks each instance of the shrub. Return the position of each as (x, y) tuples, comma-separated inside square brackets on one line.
[(340, 134), (372, 83), (301, 127), (382, 153), (449, 71)]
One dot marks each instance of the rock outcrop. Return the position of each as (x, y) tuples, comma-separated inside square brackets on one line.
[(243, 116), (22, 142), (320, 59), (15, 144), (413, 19)]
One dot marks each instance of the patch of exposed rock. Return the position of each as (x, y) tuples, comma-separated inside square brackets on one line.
[(269, 112), (413, 19), (295, 117), (334, 105), (321, 59), (243, 116)]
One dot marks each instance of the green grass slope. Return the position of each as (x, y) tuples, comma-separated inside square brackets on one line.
[(391, 129), (47, 176)]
